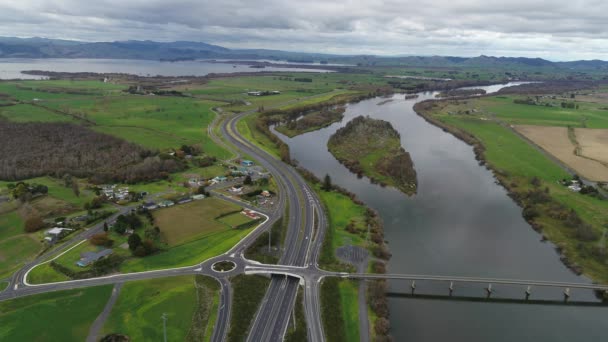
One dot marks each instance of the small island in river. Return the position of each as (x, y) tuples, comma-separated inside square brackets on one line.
[(372, 148)]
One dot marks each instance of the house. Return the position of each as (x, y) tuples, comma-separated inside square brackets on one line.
[(150, 206), (219, 179), (88, 258), (166, 203), (251, 214), (55, 234), (184, 200), (237, 189), (247, 163)]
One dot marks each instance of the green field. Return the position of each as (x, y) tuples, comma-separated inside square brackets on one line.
[(341, 211), (156, 122), (191, 221), (53, 316), (16, 247), (589, 114), (249, 131), (350, 308), (29, 113), (44, 273), (339, 310), (235, 220), (137, 313)]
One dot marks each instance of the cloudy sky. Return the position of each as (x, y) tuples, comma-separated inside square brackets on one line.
[(556, 30)]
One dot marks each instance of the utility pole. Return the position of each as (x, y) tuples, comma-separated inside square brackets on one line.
[(293, 317), (164, 317), (269, 237)]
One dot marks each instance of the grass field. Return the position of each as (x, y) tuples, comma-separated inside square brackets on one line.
[(249, 131), (137, 313), (589, 114), (15, 252), (188, 254), (341, 211), (53, 316), (350, 308), (332, 311), (29, 113), (235, 220), (156, 122), (44, 273), (191, 221)]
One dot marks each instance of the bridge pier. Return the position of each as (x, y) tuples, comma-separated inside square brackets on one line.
[(413, 286), (489, 290), (528, 292), (451, 288), (566, 294)]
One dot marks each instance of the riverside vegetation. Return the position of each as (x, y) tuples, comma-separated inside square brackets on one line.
[(575, 222), (372, 148)]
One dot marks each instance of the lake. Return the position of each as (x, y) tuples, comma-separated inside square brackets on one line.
[(10, 68)]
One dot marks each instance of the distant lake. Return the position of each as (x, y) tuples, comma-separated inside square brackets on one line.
[(10, 68)]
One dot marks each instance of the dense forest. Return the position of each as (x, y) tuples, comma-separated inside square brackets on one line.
[(30, 150)]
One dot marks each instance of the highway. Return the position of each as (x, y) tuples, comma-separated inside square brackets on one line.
[(301, 248)]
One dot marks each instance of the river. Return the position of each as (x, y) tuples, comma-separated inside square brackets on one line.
[(10, 68), (460, 223)]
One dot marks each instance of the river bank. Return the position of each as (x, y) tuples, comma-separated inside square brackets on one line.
[(546, 206)]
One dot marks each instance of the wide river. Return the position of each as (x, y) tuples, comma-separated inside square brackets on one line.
[(10, 68), (460, 223)]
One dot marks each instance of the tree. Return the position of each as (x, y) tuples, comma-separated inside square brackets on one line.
[(33, 223), (134, 241), (327, 183), (247, 180), (101, 239), (201, 190), (67, 180), (76, 189)]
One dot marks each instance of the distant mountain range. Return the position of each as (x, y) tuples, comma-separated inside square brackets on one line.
[(11, 47)]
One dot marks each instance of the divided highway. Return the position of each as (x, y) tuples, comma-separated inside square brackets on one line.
[(302, 244)]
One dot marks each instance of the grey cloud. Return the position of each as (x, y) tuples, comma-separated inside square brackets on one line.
[(553, 29)]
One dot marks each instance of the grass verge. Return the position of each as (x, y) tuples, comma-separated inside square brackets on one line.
[(248, 294)]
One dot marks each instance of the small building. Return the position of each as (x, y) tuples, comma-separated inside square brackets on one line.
[(198, 197), (150, 206), (219, 179), (237, 189), (55, 234), (88, 258), (265, 193), (247, 163), (184, 200), (166, 203)]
